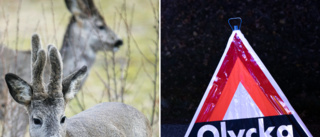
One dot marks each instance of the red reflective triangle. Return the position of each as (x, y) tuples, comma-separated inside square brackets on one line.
[(240, 74), (212, 110)]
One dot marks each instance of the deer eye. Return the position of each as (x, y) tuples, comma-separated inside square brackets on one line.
[(101, 27), (37, 121), (63, 119)]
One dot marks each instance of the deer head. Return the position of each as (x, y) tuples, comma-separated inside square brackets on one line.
[(88, 26), (45, 103)]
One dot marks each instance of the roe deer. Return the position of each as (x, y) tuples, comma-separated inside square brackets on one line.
[(46, 104), (86, 34)]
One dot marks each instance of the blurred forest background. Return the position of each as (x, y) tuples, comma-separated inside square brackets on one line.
[(133, 69), (194, 33)]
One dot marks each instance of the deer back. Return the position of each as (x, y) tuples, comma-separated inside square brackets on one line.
[(109, 119)]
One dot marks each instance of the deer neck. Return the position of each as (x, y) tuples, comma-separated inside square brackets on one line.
[(75, 51)]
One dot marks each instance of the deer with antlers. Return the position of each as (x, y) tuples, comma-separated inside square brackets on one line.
[(46, 104), (86, 35)]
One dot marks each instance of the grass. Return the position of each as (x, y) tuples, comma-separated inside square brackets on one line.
[(50, 19)]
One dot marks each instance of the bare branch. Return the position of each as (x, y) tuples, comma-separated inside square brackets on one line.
[(54, 23), (156, 63), (78, 103), (145, 71), (45, 21), (106, 85), (17, 34), (114, 75), (133, 39)]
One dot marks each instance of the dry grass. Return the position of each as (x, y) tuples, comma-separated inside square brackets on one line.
[(133, 70)]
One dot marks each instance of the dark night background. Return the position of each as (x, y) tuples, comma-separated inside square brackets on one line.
[(194, 33)]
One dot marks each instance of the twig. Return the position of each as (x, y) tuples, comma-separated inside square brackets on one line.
[(6, 33), (108, 75), (92, 96), (45, 21), (17, 35), (114, 75), (128, 53), (134, 41), (135, 78), (78, 102), (82, 99), (72, 109), (54, 24), (156, 63), (106, 85), (145, 71)]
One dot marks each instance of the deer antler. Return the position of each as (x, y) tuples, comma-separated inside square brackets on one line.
[(38, 57), (55, 85)]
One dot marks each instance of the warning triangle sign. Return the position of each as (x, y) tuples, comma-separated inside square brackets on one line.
[(243, 99)]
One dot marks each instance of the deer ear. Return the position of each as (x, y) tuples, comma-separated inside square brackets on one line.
[(72, 83), (81, 7), (74, 7), (19, 89)]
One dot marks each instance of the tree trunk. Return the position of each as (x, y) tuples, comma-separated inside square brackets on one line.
[(15, 120)]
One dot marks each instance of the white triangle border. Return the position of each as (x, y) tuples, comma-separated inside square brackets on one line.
[(264, 70)]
